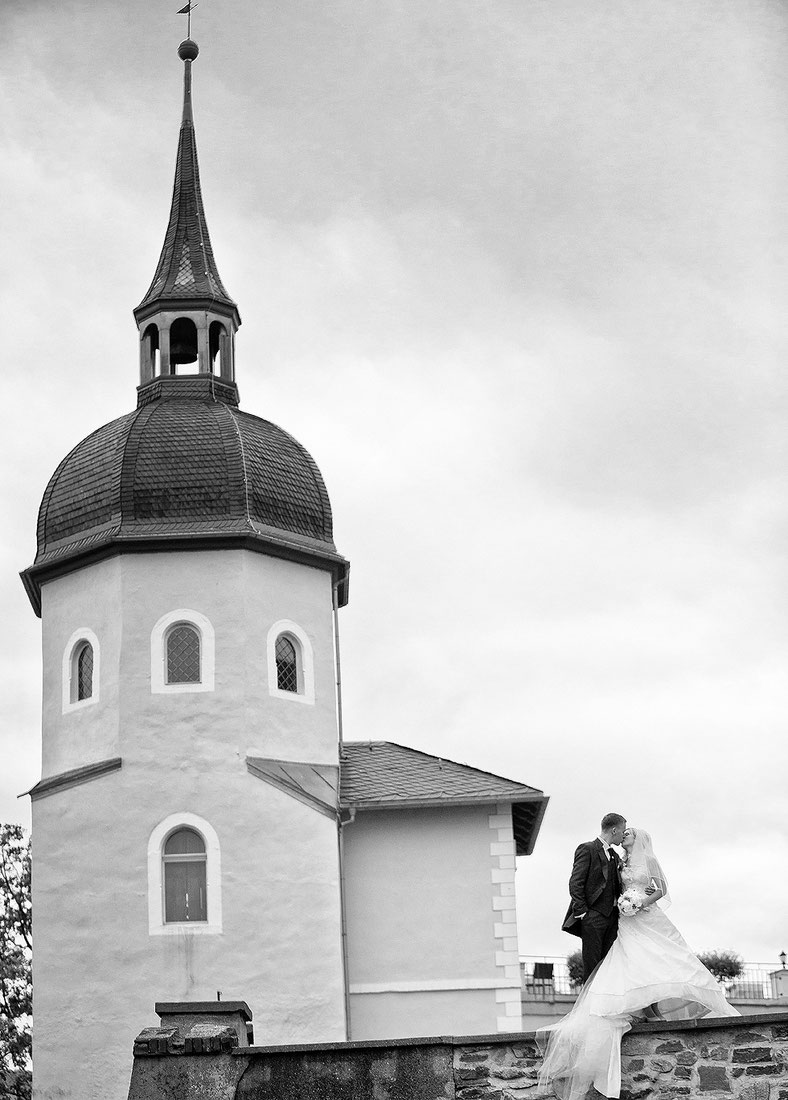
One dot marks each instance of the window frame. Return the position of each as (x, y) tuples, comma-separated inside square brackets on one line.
[(84, 635), (158, 652), (305, 675), (168, 633), (178, 859), (284, 637), (157, 924)]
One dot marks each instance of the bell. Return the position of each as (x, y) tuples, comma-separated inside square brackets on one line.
[(182, 352)]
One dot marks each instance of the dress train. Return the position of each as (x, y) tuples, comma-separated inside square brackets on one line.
[(649, 973)]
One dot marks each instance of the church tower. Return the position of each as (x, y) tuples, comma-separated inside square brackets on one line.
[(185, 824)]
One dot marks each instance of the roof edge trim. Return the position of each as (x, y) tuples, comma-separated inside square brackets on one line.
[(36, 575), (73, 777)]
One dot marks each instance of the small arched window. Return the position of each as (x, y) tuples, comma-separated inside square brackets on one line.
[(82, 672), (286, 664), (290, 663), (184, 876), (182, 654)]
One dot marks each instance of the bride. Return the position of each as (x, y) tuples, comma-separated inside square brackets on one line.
[(649, 973)]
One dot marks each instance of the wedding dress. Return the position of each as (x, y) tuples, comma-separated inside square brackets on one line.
[(649, 973)]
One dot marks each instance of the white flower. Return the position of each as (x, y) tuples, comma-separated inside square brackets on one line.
[(631, 902)]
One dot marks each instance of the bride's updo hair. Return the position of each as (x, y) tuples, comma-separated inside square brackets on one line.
[(611, 821)]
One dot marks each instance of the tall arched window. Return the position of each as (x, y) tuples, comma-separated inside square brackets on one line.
[(81, 670), (82, 673), (183, 343), (150, 362), (183, 654), (290, 664), (184, 875), (286, 664), (218, 349)]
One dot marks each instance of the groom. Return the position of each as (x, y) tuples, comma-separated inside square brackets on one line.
[(594, 887)]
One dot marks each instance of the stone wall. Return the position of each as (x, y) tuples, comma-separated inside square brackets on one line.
[(730, 1059), (740, 1059)]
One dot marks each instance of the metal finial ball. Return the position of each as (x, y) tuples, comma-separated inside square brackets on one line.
[(188, 50)]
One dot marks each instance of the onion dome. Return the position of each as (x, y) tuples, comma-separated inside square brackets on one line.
[(187, 469)]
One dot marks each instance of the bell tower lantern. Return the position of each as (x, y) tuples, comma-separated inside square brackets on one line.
[(187, 321)]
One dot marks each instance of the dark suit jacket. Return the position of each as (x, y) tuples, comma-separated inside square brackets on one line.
[(587, 881)]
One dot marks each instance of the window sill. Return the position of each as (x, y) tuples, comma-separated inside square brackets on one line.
[(69, 708), (179, 689), (192, 928), (292, 696)]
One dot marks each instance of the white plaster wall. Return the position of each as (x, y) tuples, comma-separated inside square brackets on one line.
[(85, 734), (422, 922), (242, 593), (423, 1015), (97, 970)]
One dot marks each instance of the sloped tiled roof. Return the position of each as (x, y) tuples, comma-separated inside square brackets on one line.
[(385, 775)]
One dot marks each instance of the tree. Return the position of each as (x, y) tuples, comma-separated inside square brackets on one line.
[(574, 964), (724, 965), (16, 990)]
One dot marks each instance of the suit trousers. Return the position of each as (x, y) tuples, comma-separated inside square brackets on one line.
[(598, 933)]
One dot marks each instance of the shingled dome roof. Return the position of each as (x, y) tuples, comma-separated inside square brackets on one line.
[(187, 469)]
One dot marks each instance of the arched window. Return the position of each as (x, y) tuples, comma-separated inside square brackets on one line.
[(150, 362), (183, 654), (183, 343), (82, 673), (286, 664), (185, 878), (218, 349), (290, 666)]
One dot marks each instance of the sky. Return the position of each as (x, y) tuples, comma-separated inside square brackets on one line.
[(514, 272)]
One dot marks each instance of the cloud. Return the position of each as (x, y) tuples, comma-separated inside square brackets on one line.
[(514, 275)]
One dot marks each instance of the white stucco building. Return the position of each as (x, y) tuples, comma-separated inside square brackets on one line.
[(199, 825)]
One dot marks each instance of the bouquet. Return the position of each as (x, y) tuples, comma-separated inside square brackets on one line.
[(631, 902)]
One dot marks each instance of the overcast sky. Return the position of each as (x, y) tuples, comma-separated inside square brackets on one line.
[(514, 272)]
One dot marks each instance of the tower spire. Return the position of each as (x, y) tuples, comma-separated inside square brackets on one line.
[(186, 316)]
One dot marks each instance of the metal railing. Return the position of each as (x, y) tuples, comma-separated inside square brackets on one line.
[(543, 977), (753, 984)]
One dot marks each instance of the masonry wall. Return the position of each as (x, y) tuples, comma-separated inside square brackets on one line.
[(744, 1059), (430, 948)]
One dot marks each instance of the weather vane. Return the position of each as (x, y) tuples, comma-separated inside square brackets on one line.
[(187, 11)]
